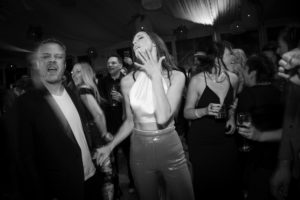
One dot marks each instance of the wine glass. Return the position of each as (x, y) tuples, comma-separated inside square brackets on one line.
[(244, 120), (112, 91)]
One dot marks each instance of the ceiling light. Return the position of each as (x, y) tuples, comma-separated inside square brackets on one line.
[(204, 11)]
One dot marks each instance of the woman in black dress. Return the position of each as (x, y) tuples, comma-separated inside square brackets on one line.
[(84, 80), (209, 106)]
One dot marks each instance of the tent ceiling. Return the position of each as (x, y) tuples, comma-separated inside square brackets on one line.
[(81, 24)]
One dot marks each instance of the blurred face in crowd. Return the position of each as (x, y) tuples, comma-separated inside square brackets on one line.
[(236, 64), (271, 55), (228, 57), (51, 63), (142, 42), (249, 77), (113, 65), (77, 75), (282, 47)]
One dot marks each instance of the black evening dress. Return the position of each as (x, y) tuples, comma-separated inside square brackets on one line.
[(212, 152)]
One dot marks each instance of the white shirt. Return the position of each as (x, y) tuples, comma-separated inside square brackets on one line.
[(71, 114)]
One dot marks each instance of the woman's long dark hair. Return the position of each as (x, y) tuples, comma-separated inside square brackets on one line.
[(215, 50), (162, 50)]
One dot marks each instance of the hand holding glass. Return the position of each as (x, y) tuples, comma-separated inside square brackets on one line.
[(222, 114), (244, 120), (113, 91)]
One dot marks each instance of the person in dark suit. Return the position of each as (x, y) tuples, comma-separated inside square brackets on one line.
[(286, 179), (49, 151), (110, 89), (285, 183)]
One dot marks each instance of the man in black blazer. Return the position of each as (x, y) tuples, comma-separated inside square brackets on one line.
[(49, 151), (286, 179)]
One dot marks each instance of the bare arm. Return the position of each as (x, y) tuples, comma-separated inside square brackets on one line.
[(234, 82), (95, 110), (127, 126), (193, 94), (230, 124), (167, 104)]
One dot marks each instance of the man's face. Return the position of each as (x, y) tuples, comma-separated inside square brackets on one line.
[(51, 63), (113, 65), (249, 77)]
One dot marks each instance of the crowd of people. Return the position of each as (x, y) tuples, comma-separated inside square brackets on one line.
[(183, 135)]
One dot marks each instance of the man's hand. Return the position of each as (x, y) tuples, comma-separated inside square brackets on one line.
[(249, 132), (117, 96), (290, 60)]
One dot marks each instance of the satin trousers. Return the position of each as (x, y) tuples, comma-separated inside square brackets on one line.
[(159, 166)]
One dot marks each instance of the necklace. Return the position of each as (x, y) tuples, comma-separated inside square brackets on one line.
[(215, 78)]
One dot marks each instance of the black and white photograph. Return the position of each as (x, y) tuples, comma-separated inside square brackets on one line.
[(150, 99)]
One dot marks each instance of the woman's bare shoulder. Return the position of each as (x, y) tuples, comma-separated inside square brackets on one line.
[(198, 77), (233, 77), (127, 80), (178, 74)]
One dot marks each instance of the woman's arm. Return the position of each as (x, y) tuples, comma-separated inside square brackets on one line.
[(95, 110), (235, 83), (193, 94), (127, 126), (230, 124), (167, 104)]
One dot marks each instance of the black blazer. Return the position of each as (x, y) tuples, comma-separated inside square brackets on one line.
[(45, 161)]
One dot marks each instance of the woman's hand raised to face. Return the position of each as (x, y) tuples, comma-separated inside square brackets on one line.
[(150, 64)]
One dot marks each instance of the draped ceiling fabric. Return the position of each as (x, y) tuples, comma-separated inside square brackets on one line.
[(105, 24), (204, 11)]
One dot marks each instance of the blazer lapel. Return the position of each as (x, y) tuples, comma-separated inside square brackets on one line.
[(57, 111)]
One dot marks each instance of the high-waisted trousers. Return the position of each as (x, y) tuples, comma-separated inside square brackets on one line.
[(158, 163)]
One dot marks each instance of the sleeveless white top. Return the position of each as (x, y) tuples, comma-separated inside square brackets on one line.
[(142, 100)]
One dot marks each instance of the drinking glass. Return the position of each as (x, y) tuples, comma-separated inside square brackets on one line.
[(113, 101), (222, 114), (244, 120)]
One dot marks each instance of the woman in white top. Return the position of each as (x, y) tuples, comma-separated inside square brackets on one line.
[(152, 94)]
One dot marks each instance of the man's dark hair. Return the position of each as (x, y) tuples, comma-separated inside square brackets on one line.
[(270, 46), (116, 56), (263, 67)]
